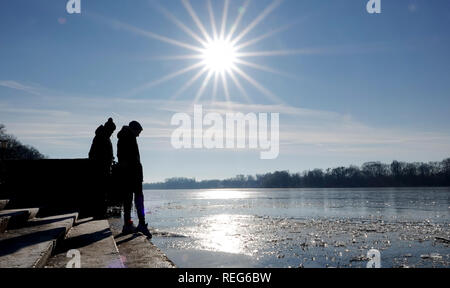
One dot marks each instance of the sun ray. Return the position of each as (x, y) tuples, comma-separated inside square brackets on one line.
[(219, 53), (258, 20), (277, 53), (205, 83), (213, 19), (224, 19), (216, 84), (239, 86), (180, 24), (189, 83), (120, 25), (262, 67), (264, 36), (164, 79), (178, 57), (225, 86), (258, 86), (197, 21), (238, 20)]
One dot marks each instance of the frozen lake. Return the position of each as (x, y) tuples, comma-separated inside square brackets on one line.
[(301, 227)]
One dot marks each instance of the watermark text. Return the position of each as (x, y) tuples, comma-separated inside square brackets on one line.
[(73, 7), (229, 131), (374, 7)]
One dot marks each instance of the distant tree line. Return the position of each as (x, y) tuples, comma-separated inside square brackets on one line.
[(372, 174), (13, 149)]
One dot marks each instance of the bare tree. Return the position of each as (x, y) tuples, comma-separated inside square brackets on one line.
[(13, 149)]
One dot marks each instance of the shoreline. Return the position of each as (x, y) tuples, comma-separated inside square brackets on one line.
[(301, 188), (136, 250)]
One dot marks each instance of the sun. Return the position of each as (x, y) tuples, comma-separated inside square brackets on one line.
[(219, 56)]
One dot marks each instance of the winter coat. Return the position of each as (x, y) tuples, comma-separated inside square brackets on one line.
[(128, 155), (101, 150)]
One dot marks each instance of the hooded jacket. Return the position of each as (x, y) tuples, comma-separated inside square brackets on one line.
[(128, 155), (101, 149)]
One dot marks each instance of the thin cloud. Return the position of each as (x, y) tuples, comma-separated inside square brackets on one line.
[(73, 121), (50, 113), (19, 86)]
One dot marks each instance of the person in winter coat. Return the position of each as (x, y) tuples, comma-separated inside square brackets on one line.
[(101, 149), (132, 177), (102, 157)]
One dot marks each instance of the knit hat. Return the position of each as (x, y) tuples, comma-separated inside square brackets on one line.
[(110, 125), (135, 126)]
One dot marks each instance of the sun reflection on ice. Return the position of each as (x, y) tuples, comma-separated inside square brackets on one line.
[(220, 194), (223, 233)]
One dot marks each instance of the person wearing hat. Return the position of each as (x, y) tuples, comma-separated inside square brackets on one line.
[(102, 157), (132, 177), (101, 148)]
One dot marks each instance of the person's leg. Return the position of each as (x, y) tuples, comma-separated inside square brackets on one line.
[(139, 202), (128, 226), (102, 192), (127, 202)]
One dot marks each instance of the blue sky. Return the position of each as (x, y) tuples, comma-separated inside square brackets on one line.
[(354, 87)]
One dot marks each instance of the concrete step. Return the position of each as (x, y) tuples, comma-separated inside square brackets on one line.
[(4, 223), (137, 250), (95, 244), (18, 217), (32, 245), (3, 204)]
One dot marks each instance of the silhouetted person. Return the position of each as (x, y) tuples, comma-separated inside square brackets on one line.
[(102, 157), (101, 150), (132, 177)]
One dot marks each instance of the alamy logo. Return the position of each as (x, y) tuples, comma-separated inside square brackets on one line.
[(73, 7), (229, 131), (75, 261), (374, 6), (375, 258)]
